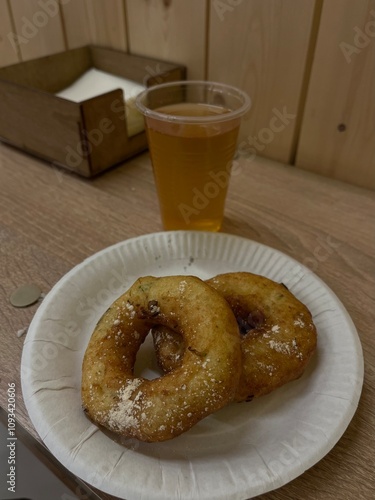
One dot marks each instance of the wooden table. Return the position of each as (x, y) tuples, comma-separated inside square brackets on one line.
[(51, 220)]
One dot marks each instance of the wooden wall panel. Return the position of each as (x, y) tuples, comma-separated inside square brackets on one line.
[(9, 53), (39, 28), (338, 129), (76, 25), (265, 47), (261, 46), (106, 23), (96, 22), (171, 30)]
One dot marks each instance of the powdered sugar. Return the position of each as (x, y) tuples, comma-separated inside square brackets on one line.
[(130, 310), (299, 322), (282, 347), (204, 364), (122, 415), (290, 348), (154, 308), (266, 368)]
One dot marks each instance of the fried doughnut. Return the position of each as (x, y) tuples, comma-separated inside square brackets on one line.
[(277, 330), (205, 380)]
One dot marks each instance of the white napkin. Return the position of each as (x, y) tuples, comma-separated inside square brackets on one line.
[(95, 82)]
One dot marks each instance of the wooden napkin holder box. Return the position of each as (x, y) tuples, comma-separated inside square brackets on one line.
[(86, 137)]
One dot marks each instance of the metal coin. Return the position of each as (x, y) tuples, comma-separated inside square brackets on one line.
[(25, 296)]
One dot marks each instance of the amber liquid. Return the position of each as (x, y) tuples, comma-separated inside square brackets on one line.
[(192, 165)]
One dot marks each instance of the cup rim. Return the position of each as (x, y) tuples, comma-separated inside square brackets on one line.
[(147, 112)]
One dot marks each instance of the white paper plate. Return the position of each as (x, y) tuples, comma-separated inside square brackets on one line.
[(241, 451)]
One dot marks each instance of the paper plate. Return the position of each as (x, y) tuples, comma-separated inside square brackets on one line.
[(239, 452)]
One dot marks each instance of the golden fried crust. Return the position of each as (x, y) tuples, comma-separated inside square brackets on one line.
[(205, 380), (278, 333)]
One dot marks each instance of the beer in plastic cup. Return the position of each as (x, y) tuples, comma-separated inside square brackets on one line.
[(192, 129)]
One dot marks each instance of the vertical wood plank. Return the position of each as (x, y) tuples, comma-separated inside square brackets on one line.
[(338, 129), (106, 23), (9, 53), (172, 30), (38, 26), (261, 46), (75, 21)]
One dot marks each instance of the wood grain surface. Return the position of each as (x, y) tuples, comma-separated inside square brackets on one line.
[(51, 220), (40, 31), (311, 61), (262, 47), (338, 127), (9, 50), (173, 29), (106, 21), (75, 23), (94, 22)]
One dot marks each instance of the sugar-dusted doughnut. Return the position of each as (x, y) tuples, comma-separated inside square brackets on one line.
[(205, 380), (277, 330)]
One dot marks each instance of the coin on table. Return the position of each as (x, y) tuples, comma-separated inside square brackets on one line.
[(25, 295)]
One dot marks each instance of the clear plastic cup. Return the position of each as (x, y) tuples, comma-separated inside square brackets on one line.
[(192, 129)]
